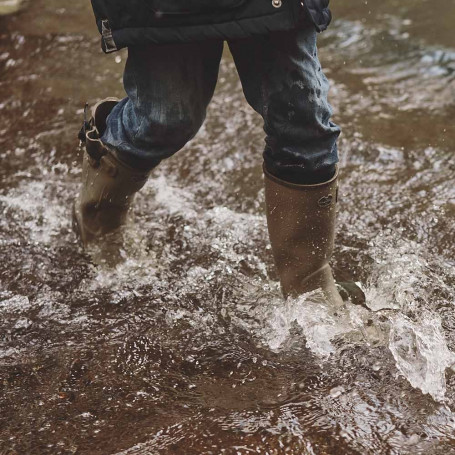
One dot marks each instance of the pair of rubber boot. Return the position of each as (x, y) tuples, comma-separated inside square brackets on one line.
[(301, 218)]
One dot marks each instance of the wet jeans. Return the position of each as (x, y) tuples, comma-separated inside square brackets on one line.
[(170, 86)]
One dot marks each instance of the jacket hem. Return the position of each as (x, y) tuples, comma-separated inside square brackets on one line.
[(229, 30)]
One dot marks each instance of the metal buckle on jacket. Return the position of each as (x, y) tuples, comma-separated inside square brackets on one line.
[(107, 37)]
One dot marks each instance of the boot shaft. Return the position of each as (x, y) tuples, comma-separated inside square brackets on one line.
[(108, 184), (301, 223)]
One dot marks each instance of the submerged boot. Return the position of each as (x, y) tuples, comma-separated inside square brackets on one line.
[(108, 185), (301, 223)]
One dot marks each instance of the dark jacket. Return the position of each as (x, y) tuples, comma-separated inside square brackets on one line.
[(125, 23), (320, 13)]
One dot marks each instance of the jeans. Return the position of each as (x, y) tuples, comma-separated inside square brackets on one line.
[(170, 86)]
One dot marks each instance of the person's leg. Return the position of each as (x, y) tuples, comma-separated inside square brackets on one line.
[(169, 88), (283, 81)]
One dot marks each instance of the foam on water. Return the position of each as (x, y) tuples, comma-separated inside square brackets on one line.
[(320, 322), (37, 206), (399, 275), (404, 279), (421, 353)]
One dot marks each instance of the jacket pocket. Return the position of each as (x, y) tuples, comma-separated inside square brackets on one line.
[(183, 7)]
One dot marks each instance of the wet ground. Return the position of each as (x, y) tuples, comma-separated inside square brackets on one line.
[(187, 347)]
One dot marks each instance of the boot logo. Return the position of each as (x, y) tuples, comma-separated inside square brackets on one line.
[(325, 201)]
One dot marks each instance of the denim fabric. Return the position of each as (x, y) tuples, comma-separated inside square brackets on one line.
[(170, 86)]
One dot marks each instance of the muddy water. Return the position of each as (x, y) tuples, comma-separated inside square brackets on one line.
[(186, 347)]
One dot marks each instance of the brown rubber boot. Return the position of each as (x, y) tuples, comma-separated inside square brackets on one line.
[(108, 185), (301, 223)]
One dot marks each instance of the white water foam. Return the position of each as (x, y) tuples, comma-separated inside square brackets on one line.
[(402, 280), (320, 322), (37, 205), (421, 353)]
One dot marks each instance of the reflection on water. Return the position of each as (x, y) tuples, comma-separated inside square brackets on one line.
[(186, 346)]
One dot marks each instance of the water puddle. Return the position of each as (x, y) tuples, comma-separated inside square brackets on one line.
[(185, 344)]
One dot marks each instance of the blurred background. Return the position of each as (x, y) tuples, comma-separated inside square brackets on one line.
[(186, 346)]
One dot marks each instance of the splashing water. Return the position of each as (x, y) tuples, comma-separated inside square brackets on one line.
[(421, 353), (186, 345)]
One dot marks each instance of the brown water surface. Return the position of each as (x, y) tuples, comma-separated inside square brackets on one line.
[(187, 347)]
